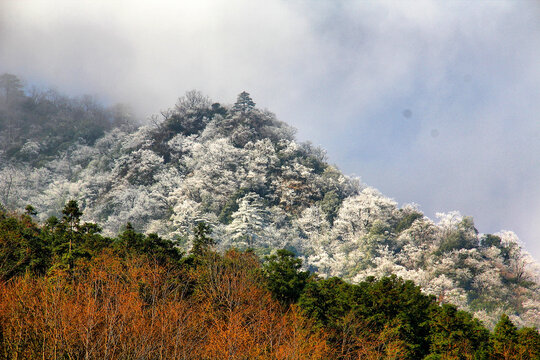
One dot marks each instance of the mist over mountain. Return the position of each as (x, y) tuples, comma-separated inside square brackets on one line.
[(240, 170), (344, 73)]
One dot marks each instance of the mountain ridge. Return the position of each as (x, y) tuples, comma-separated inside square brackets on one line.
[(240, 170)]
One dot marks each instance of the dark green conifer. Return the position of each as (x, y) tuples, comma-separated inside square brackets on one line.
[(71, 219), (504, 338), (244, 103), (529, 343), (202, 241), (285, 279)]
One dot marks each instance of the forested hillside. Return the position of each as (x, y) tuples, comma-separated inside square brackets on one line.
[(39, 125), (68, 292), (238, 169)]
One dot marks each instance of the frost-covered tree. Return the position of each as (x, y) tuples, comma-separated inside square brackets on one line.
[(457, 232), (186, 214), (240, 170), (11, 89), (249, 221), (359, 213)]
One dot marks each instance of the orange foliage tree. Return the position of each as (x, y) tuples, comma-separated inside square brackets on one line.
[(113, 308)]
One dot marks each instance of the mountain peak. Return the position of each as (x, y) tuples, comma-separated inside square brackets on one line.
[(241, 171)]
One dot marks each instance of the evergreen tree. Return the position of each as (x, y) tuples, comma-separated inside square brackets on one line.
[(71, 220), (330, 205), (30, 210), (202, 242), (129, 239), (283, 275), (249, 220), (11, 87), (244, 103), (22, 247), (529, 343), (504, 339), (455, 334), (327, 301), (160, 250), (389, 304)]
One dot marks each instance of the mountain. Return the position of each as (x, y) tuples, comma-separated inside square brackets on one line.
[(240, 170), (68, 292)]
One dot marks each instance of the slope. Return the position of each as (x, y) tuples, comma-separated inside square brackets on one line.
[(240, 170)]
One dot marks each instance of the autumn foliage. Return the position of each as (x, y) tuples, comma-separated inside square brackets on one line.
[(113, 308), (139, 297)]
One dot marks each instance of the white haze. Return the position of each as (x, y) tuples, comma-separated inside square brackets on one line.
[(435, 102)]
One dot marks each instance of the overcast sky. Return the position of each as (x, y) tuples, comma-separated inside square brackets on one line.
[(432, 102)]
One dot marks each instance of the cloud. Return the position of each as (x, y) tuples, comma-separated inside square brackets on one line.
[(344, 73), (153, 54)]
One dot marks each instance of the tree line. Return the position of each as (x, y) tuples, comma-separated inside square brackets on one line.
[(36, 125), (68, 292)]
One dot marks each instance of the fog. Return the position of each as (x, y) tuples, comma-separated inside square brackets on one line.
[(432, 102)]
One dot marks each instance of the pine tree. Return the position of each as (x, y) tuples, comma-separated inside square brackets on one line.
[(504, 339), (71, 219), (202, 242), (248, 222), (11, 87), (244, 103), (285, 279), (529, 343), (30, 210)]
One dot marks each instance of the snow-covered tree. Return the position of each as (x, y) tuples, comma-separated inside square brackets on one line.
[(360, 212), (249, 221), (240, 170)]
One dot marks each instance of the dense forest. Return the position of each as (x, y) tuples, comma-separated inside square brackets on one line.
[(239, 170), (67, 292)]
